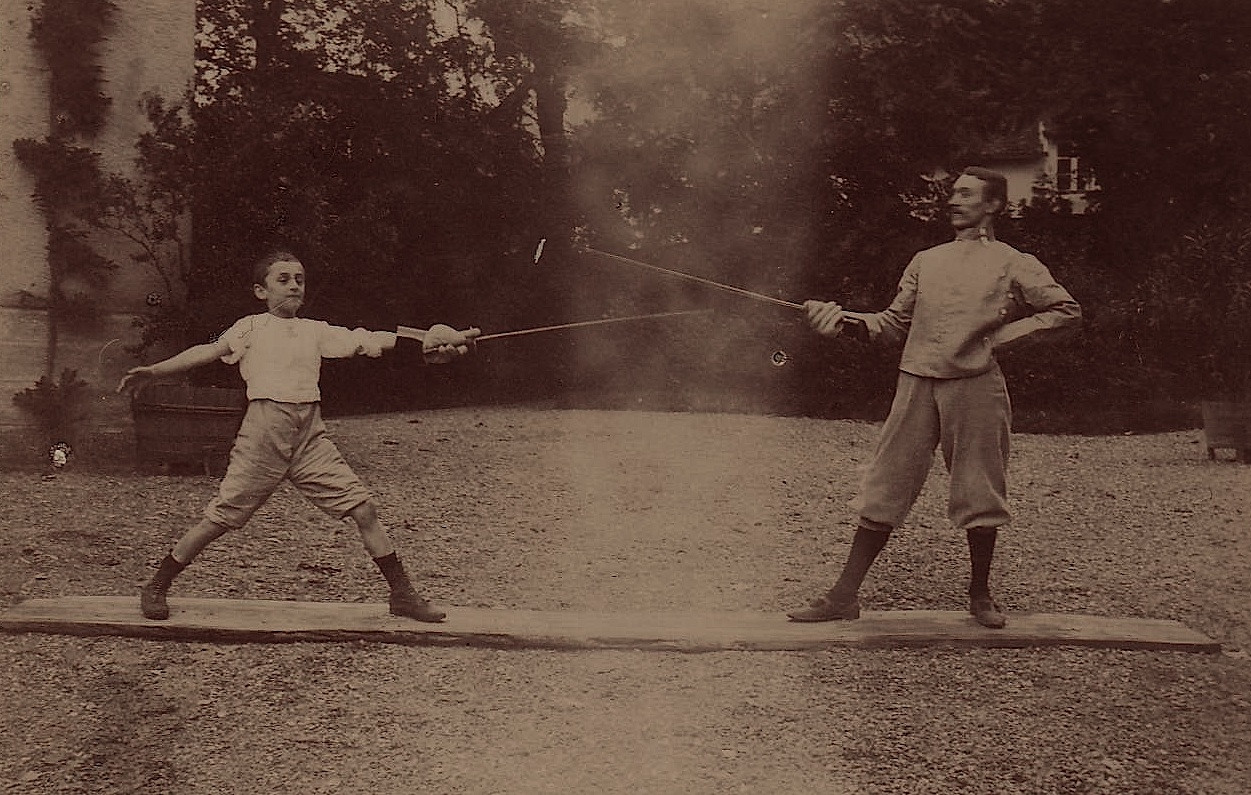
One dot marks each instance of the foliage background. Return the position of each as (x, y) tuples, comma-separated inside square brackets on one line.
[(413, 153)]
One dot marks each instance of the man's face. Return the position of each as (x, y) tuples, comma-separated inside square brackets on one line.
[(968, 205), (283, 290)]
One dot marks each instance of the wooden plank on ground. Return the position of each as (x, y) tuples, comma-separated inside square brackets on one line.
[(268, 621)]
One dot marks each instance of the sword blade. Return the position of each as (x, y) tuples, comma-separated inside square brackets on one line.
[(409, 332), (584, 323), (699, 279)]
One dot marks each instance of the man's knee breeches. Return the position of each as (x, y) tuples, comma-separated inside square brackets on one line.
[(969, 419)]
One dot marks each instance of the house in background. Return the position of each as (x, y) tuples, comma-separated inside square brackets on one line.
[(149, 49), (1032, 161)]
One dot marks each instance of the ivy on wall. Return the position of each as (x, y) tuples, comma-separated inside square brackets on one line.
[(68, 186), (68, 179), (67, 183)]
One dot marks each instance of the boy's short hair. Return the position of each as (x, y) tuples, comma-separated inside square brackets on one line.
[(260, 268), (996, 183)]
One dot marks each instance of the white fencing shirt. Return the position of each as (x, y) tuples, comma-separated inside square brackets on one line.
[(280, 357)]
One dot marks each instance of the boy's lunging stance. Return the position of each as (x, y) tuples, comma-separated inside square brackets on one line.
[(282, 436), (958, 305)]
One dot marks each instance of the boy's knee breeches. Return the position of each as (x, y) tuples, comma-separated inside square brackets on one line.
[(280, 441), (970, 420)]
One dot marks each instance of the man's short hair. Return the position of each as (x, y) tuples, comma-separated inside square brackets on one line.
[(996, 183), (260, 269)]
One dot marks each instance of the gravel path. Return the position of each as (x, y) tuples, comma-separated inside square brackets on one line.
[(631, 510)]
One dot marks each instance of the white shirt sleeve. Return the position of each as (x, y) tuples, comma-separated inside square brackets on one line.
[(238, 337), (337, 342)]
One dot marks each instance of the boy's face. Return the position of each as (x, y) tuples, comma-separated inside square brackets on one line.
[(283, 290)]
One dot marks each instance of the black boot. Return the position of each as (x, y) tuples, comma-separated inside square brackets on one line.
[(404, 600), (840, 603), (152, 596), (981, 552)]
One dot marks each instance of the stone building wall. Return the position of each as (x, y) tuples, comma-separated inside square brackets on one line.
[(149, 49)]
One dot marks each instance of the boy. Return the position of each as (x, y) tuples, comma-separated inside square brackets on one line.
[(282, 435), (958, 305)]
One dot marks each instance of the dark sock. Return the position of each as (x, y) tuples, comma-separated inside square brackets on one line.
[(393, 570), (865, 546), (167, 571), (981, 553)]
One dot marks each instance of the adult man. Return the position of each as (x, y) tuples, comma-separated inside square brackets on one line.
[(958, 305)]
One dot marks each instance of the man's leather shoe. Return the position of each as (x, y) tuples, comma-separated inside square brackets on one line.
[(830, 607), (987, 612)]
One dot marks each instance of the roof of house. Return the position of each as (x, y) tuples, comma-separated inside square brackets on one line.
[(1022, 144)]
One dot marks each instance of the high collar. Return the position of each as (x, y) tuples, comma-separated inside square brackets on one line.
[(975, 233)]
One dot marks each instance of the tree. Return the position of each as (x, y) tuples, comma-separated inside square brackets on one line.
[(362, 140), (366, 136), (417, 150), (538, 42), (899, 90), (1152, 94)]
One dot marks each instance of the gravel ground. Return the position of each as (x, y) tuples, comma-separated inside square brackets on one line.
[(627, 510)]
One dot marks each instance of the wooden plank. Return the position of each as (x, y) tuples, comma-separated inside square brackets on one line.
[(268, 621)]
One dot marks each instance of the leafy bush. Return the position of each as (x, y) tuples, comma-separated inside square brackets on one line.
[(59, 406), (1197, 301)]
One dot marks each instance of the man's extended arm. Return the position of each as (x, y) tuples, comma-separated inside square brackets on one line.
[(890, 326)]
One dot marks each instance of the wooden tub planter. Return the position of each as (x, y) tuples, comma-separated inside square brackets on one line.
[(1227, 425), (181, 426)]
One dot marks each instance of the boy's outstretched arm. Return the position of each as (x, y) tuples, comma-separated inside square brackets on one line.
[(191, 358), (440, 344)]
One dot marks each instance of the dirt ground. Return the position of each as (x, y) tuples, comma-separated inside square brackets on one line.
[(518, 508)]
